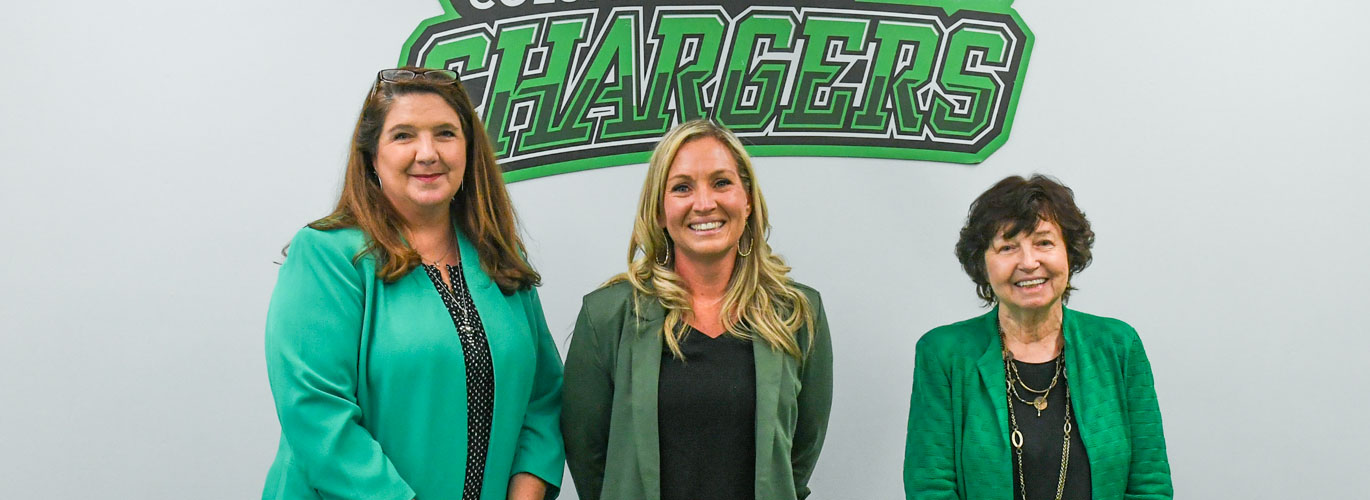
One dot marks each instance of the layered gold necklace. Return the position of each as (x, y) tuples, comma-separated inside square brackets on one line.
[(1015, 381), (1039, 403)]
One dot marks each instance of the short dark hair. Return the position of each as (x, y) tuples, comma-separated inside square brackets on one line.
[(1015, 205)]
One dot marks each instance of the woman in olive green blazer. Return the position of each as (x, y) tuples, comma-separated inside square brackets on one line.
[(696, 267), (979, 428)]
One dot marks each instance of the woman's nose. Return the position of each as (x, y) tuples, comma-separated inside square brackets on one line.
[(425, 153), (1028, 258), (704, 201)]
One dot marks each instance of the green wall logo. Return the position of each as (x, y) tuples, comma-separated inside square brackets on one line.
[(566, 85)]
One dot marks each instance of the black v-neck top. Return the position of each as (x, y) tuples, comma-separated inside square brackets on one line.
[(706, 413), (1043, 436)]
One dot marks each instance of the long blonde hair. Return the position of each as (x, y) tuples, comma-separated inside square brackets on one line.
[(760, 295)]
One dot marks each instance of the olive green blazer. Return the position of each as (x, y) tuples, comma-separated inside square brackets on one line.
[(958, 437), (609, 402)]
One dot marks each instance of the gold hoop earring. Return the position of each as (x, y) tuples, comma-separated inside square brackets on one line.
[(667, 258), (749, 247)]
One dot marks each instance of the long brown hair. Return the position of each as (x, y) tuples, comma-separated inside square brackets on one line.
[(481, 208)]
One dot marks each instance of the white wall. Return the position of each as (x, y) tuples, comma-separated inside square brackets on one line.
[(157, 156)]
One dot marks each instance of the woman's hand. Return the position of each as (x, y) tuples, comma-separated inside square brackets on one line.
[(525, 486)]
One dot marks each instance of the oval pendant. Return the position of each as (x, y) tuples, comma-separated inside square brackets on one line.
[(1040, 403)]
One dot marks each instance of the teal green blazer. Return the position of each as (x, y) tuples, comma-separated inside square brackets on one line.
[(958, 437), (609, 410), (370, 382)]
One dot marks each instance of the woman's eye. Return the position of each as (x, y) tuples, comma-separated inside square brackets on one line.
[(680, 188), (447, 133), (1046, 243), (722, 183), (399, 136), (1006, 248)]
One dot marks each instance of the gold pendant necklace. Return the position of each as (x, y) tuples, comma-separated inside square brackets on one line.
[(1015, 380), (1016, 436)]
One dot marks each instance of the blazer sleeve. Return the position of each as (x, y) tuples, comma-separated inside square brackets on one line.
[(540, 451), (313, 333), (1149, 473), (929, 456), (815, 404), (586, 405)]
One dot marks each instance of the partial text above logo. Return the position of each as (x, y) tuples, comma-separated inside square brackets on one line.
[(573, 85)]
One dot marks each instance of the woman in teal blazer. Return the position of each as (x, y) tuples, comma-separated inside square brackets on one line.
[(405, 344), (1032, 400), (644, 421)]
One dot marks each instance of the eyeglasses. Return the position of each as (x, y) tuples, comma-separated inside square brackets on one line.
[(404, 75)]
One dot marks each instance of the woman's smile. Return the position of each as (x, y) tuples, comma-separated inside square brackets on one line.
[(426, 178), (707, 228)]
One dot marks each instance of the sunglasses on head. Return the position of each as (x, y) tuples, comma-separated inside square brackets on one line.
[(404, 75)]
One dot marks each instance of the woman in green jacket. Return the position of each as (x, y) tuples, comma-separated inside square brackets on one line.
[(703, 371), (1032, 400), (405, 344)]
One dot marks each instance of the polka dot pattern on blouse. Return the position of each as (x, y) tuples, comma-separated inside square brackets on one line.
[(480, 374)]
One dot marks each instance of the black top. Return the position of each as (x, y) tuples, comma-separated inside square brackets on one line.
[(1042, 438), (480, 374), (706, 413)]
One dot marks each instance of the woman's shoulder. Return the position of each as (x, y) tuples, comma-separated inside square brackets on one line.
[(1097, 328), (337, 249), (1085, 318), (348, 240), (814, 297), (612, 303), (327, 257), (606, 311), (970, 336), (610, 295)]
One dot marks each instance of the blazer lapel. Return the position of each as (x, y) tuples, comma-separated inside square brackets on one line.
[(991, 365), (770, 367), (644, 377), (494, 311), (1082, 399)]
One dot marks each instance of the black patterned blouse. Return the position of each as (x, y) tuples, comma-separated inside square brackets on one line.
[(480, 374)]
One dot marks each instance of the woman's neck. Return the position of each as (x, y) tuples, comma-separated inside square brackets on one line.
[(707, 283), (433, 239), (1033, 336)]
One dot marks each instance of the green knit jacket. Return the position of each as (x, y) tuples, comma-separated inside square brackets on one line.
[(958, 437)]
